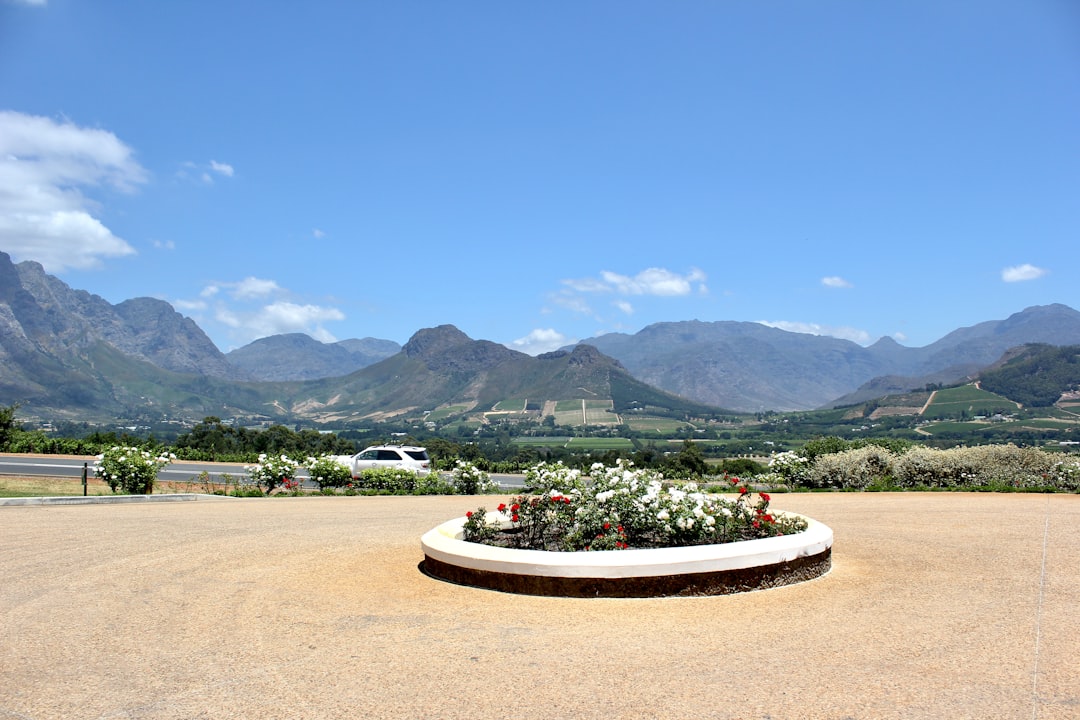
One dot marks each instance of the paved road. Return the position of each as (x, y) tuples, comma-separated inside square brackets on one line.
[(180, 471)]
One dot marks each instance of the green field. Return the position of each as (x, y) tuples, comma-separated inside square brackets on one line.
[(661, 426), (969, 400), (443, 413), (600, 443), (553, 441)]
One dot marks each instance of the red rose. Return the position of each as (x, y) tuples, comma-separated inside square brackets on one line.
[(513, 518), (765, 497), (502, 506), (468, 514), (607, 526)]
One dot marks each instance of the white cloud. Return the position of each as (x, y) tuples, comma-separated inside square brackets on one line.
[(844, 333), (625, 306), (221, 168), (1021, 273), (189, 305), (204, 172), (277, 318), (252, 287), (164, 245), (317, 234), (651, 281), (45, 167), (835, 281), (541, 341)]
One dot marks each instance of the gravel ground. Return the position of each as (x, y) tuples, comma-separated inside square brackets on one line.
[(938, 605)]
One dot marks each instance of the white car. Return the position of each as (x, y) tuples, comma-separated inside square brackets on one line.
[(405, 457)]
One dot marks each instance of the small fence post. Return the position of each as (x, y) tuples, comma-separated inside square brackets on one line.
[(84, 470)]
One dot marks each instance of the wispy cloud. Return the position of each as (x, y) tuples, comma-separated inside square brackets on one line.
[(45, 167), (541, 341), (651, 281), (844, 333), (204, 172), (251, 308), (1021, 273), (835, 281), (317, 234), (221, 168)]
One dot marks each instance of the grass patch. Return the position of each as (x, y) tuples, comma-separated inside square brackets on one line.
[(600, 443)]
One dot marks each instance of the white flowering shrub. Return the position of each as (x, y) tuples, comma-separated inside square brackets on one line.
[(543, 477), (852, 469), (328, 472), (789, 465), (130, 469), (272, 471), (1066, 474), (468, 479), (623, 507), (982, 466)]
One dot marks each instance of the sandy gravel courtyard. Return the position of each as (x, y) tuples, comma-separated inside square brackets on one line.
[(938, 605)]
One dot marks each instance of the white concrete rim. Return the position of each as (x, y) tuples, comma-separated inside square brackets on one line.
[(444, 543)]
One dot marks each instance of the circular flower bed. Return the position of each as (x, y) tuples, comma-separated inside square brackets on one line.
[(624, 533)]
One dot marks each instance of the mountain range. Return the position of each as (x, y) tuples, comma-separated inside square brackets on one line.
[(68, 352)]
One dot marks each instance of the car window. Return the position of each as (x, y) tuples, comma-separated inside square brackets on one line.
[(368, 455), (389, 455), (417, 454)]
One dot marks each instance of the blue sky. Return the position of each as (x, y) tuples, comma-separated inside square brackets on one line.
[(539, 173)]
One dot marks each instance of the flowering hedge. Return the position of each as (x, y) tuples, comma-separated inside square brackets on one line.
[(467, 479), (272, 470), (328, 472), (622, 507), (131, 469), (984, 466)]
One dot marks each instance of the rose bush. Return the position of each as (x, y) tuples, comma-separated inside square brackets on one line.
[(622, 507), (271, 471), (131, 469)]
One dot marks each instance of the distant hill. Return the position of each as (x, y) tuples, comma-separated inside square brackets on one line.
[(442, 366), (68, 352), (750, 367), (1035, 375), (296, 356)]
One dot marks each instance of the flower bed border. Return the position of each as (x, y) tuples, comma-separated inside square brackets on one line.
[(657, 572)]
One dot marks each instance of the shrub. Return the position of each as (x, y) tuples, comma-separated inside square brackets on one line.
[(328, 472), (468, 479), (130, 469), (433, 484), (999, 466), (852, 469), (791, 466), (391, 481), (272, 470)]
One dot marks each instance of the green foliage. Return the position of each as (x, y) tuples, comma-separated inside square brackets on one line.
[(996, 467), (272, 471), (740, 467), (468, 479), (687, 463), (327, 472), (130, 469), (7, 425), (1038, 377), (214, 440), (389, 481)]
